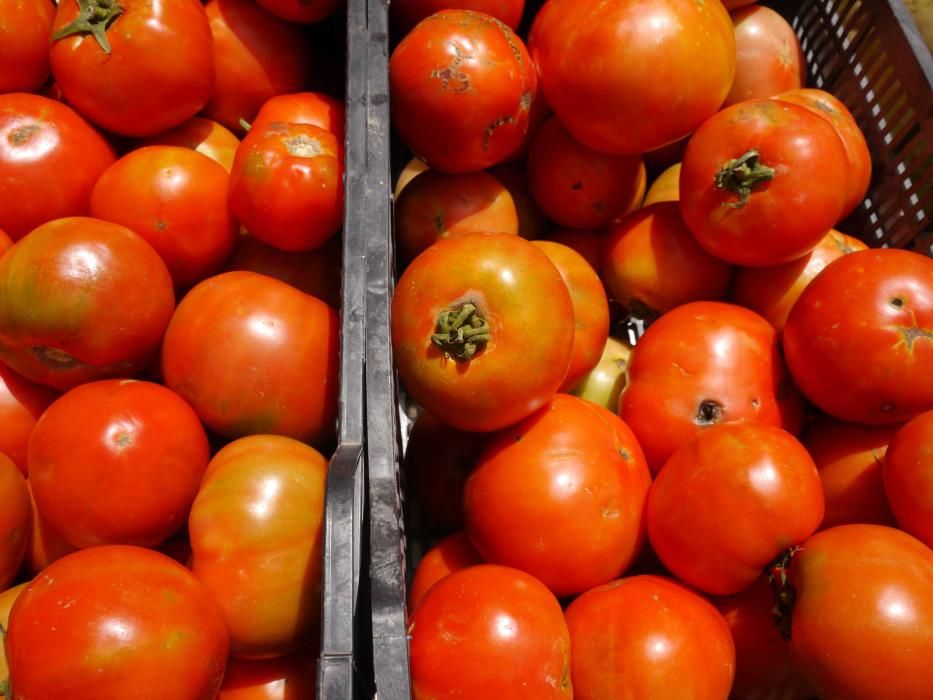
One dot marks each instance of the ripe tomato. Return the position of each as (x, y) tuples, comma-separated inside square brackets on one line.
[(859, 340), (462, 87), (50, 159), (176, 199), (590, 244), (482, 330), (82, 299), (5, 242), (604, 384), (732, 4), (117, 462), (703, 364), (256, 533), (412, 169), (24, 44), (652, 263), (206, 137), (291, 677), (908, 477), (21, 404), (44, 545), (578, 187), (560, 495), (407, 13), (651, 55), (489, 632), (648, 637), (88, 628), (134, 67), (313, 108), (301, 11), (7, 599), (254, 355), (665, 188), (15, 514), (286, 186), (861, 622), (437, 205), (452, 553), (532, 223)]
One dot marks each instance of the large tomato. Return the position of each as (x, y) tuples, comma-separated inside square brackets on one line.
[(256, 537), (21, 404), (482, 329), (15, 515), (301, 11), (50, 159), (254, 355), (82, 299), (407, 13), (24, 44), (313, 108), (134, 67), (859, 340), (452, 553), (116, 622), (45, 544), (291, 677), (207, 137), (908, 477), (612, 71)]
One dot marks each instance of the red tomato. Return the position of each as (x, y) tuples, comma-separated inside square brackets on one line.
[(301, 11), (665, 188), (651, 55), (578, 187), (462, 317), (452, 553), (254, 355), (87, 628), (21, 404), (489, 632), (50, 159), (462, 87), (532, 223), (24, 44), (313, 108), (137, 67), (648, 637), (208, 138), (407, 13), (5, 242), (732, 4), (117, 462), (861, 622), (256, 533), (82, 299), (908, 477), (590, 244), (292, 677), (286, 186), (859, 340), (15, 514), (45, 544)]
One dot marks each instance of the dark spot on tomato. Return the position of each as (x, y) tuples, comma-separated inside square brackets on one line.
[(897, 302), (576, 186), (21, 135), (756, 403), (55, 358), (709, 412)]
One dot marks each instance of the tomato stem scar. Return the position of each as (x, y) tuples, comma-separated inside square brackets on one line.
[(461, 332), (741, 174)]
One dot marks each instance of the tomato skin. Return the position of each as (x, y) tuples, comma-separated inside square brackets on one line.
[(908, 477), (603, 104), (665, 188), (489, 632), (7, 599), (412, 169), (733, 4), (5, 242), (253, 355), (590, 244), (15, 514), (21, 404), (452, 553), (24, 44), (255, 531), (291, 677), (783, 218), (82, 299), (858, 342), (207, 137), (45, 544), (407, 13), (157, 75), (648, 637), (604, 384), (313, 108), (861, 622), (301, 11), (86, 628), (532, 223)]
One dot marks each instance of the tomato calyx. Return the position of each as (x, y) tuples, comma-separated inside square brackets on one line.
[(461, 332), (740, 175), (784, 594), (94, 18)]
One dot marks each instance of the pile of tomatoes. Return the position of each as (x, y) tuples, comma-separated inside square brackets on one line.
[(740, 504)]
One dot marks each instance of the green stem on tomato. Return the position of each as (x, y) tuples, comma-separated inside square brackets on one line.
[(461, 332), (740, 176), (94, 18)]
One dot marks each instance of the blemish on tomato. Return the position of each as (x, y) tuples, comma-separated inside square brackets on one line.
[(21, 135), (303, 146)]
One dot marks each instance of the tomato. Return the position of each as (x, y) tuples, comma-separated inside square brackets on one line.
[(176, 199), (860, 627), (772, 291), (50, 159), (5, 242), (254, 355), (532, 223), (291, 677), (21, 404), (489, 632), (849, 458), (908, 477), (761, 182), (482, 330), (651, 55), (859, 340), (206, 137), (15, 514), (407, 13), (133, 67), (700, 365), (7, 599), (660, 159), (769, 59), (313, 108), (82, 299), (648, 637), (665, 188), (560, 495), (604, 383), (286, 186), (590, 244), (437, 205), (412, 169), (732, 4), (452, 553), (24, 44), (462, 87), (45, 544), (301, 11), (590, 309), (652, 263), (257, 56), (256, 534), (578, 187), (87, 628)]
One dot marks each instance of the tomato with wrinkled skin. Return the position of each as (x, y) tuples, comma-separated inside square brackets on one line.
[(15, 514), (291, 677), (908, 477), (532, 223), (207, 137), (21, 404), (82, 299), (407, 13), (590, 244), (614, 104), (605, 382), (489, 632), (7, 599), (45, 544), (24, 44), (452, 553), (254, 355), (482, 330), (313, 108), (859, 340), (665, 188), (87, 628), (648, 637), (301, 11)]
